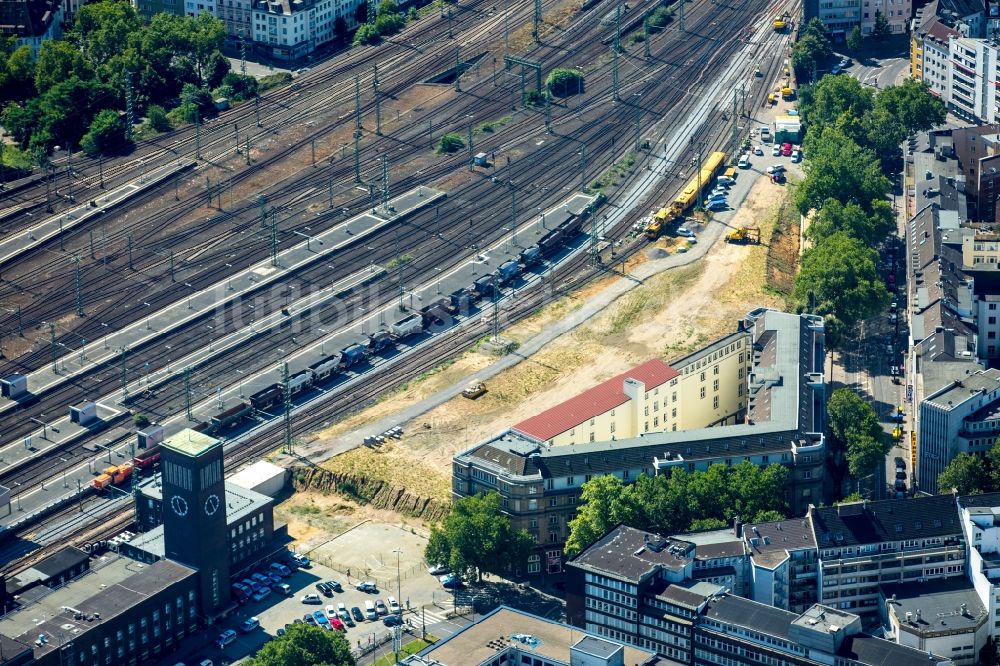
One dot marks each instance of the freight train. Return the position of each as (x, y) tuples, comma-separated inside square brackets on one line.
[(687, 197), (430, 318)]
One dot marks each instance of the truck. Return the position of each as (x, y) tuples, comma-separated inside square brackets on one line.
[(113, 476), (787, 92), (781, 22)]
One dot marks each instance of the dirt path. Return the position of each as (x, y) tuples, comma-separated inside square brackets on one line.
[(671, 314)]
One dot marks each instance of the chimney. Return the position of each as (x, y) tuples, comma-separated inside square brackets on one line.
[(918, 615), (737, 527)]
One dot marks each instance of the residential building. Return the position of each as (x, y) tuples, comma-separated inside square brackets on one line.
[(149, 8), (733, 631), (896, 12), (238, 17), (508, 636), (941, 616), (783, 564), (290, 29), (784, 422), (961, 417), (31, 21), (980, 516), (720, 558), (863, 545), (929, 37), (838, 16), (695, 391)]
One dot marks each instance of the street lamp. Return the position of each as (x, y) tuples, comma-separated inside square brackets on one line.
[(399, 614)]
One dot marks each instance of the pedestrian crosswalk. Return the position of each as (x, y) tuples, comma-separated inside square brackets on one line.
[(433, 614)]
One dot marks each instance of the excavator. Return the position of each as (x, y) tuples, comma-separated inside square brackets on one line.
[(743, 235)]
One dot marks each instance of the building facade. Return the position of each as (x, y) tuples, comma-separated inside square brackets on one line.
[(862, 545), (31, 22), (783, 564)]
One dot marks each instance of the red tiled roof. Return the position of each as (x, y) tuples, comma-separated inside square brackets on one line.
[(592, 402), (941, 32)]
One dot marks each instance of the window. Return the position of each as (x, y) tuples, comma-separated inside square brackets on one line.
[(715, 402), (715, 385), (569, 481), (703, 392), (715, 370), (612, 426), (702, 377), (553, 537)]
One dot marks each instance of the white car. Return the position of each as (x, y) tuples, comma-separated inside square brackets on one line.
[(776, 151), (684, 231), (393, 604), (757, 150), (796, 155), (744, 162), (437, 569), (775, 168)]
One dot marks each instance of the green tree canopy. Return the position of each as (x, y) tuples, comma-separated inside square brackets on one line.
[(477, 538), (839, 277), (106, 135), (834, 96), (854, 427), (967, 473), (912, 105), (563, 82), (17, 70), (57, 61), (678, 501), (305, 644), (870, 228), (854, 40), (881, 29), (104, 29), (838, 168)]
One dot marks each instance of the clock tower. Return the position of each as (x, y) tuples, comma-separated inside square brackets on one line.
[(194, 513)]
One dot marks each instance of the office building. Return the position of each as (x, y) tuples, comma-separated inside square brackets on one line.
[(783, 423), (942, 617), (862, 545), (290, 29), (980, 519)]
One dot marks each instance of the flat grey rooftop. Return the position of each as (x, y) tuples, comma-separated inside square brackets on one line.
[(944, 605), (630, 554)]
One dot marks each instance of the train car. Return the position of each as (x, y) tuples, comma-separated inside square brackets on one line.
[(351, 356), (379, 341), (230, 417), (687, 197), (437, 312), (325, 367), (204, 426), (299, 382), (407, 326), (147, 458), (507, 271), (113, 476), (267, 397), (551, 242), (530, 256), (484, 286), (571, 227), (463, 300)]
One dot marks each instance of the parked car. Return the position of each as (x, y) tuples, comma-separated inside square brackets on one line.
[(311, 599), (758, 150), (775, 151), (284, 589), (450, 581), (274, 576), (280, 632), (796, 155), (262, 594), (744, 162), (776, 168), (393, 605), (225, 638), (324, 590), (717, 205), (309, 619), (334, 585), (473, 391), (261, 580), (320, 617), (367, 586), (786, 149), (331, 611), (392, 620), (684, 231), (437, 569), (249, 625), (337, 623), (300, 560), (281, 569), (380, 607), (358, 615)]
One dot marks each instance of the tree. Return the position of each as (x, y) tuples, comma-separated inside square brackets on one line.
[(450, 143), (106, 135), (600, 510), (885, 133), (216, 69), (305, 644), (199, 98), (340, 28), (967, 473), (478, 538), (57, 61), (563, 82), (366, 34), (18, 73), (239, 87), (103, 30), (854, 40), (881, 29), (838, 168), (870, 228), (833, 97), (855, 428), (993, 465), (840, 276), (67, 110), (157, 118), (912, 105)]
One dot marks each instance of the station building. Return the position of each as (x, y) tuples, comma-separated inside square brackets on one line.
[(107, 607), (765, 381)]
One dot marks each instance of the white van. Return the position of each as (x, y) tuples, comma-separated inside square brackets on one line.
[(370, 611), (744, 162)]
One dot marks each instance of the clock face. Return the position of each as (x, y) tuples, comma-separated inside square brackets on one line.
[(212, 504), (179, 505)]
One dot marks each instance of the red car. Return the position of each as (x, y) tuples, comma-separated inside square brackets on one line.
[(337, 624), (786, 149)]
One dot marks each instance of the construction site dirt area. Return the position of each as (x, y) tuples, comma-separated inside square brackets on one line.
[(669, 315), (367, 551)]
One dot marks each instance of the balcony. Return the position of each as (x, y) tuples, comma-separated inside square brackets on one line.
[(953, 549)]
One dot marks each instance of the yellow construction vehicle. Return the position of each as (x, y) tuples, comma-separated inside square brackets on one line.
[(687, 197), (743, 235), (781, 22)]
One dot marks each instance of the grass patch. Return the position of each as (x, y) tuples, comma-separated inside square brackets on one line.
[(390, 464), (494, 125), (412, 647), (782, 260), (273, 81), (396, 262), (617, 171), (305, 510)]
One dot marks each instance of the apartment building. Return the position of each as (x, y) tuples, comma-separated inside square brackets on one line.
[(290, 29), (862, 545), (31, 22), (785, 409), (783, 564), (980, 519), (696, 391)]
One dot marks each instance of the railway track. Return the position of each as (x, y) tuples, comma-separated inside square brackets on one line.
[(307, 421)]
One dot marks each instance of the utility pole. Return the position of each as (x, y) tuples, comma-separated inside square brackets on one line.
[(472, 159), (48, 187), (513, 218), (130, 266), (52, 340), (614, 75), (699, 146), (100, 167), (645, 35), (736, 125), (124, 350), (187, 394), (458, 68), (378, 102), (313, 144), (274, 237), (548, 113), (357, 156), (535, 32), (638, 124), (371, 12), (288, 408), (69, 172), (357, 103), (79, 287), (243, 55), (506, 29), (430, 133), (496, 312), (618, 28), (172, 278), (399, 267), (385, 184), (682, 16), (256, 108), (583, 168), (129, 107)]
